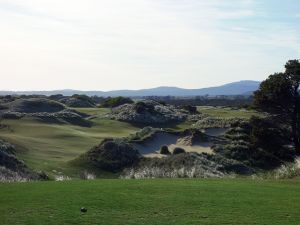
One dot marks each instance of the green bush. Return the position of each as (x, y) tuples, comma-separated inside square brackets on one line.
[(164, 150), (112, 155), (178, 150), (117, 101)]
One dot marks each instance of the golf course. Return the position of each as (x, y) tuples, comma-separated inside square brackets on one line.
[(149, 112)]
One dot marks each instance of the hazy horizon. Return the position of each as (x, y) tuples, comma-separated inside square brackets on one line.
[(124, 89), (138, 44)]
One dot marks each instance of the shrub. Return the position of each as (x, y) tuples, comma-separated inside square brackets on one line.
[(164, 150), (117, 101), (142, 134), (113, 155), (287, 171), (178, 150), (78, 101)]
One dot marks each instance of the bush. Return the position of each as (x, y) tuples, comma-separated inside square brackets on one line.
[(287, 171), (164, 150), (117, 101), (113, 155), (188, 165), (178, 150), (142, 134), (78, 101), (260, 143)]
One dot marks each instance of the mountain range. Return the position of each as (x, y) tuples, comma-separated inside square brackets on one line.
[(245, 87)]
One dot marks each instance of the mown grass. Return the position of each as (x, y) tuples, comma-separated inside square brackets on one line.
[(159, 201), (227, 112), (93, 111)]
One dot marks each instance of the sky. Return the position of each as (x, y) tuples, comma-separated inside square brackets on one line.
[(135, 44)]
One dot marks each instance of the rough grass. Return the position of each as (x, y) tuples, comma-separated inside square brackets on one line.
[(158, 201)]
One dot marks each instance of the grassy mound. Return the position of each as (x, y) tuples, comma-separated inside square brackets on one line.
[(111, 155), (149, 112), (116, 101), (11, 168), (78, 101), (35, 105)]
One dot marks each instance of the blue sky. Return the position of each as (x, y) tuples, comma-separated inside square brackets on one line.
[(133, 44)]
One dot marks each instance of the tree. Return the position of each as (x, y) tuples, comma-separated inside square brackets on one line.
[(116, 101), (279, 96)]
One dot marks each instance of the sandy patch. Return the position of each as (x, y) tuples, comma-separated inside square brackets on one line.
[(201, 148), (154, 144)]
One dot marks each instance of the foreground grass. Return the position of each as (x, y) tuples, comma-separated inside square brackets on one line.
[(160, 201)]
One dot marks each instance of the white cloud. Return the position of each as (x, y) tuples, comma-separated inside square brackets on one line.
[(103, 44)]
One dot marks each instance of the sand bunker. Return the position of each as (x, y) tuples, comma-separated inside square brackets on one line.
[(151, 147)]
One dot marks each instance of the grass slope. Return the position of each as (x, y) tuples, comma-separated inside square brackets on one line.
[(160, 201), (46, 146)]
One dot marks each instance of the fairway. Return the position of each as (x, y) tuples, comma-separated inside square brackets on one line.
[(158, 201), (227, 112), (49, 146)]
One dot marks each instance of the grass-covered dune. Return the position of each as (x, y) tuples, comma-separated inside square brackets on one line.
[(159, 201), (50, 146)]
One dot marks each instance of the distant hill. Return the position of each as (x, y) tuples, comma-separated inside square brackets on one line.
[(245, 87)]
